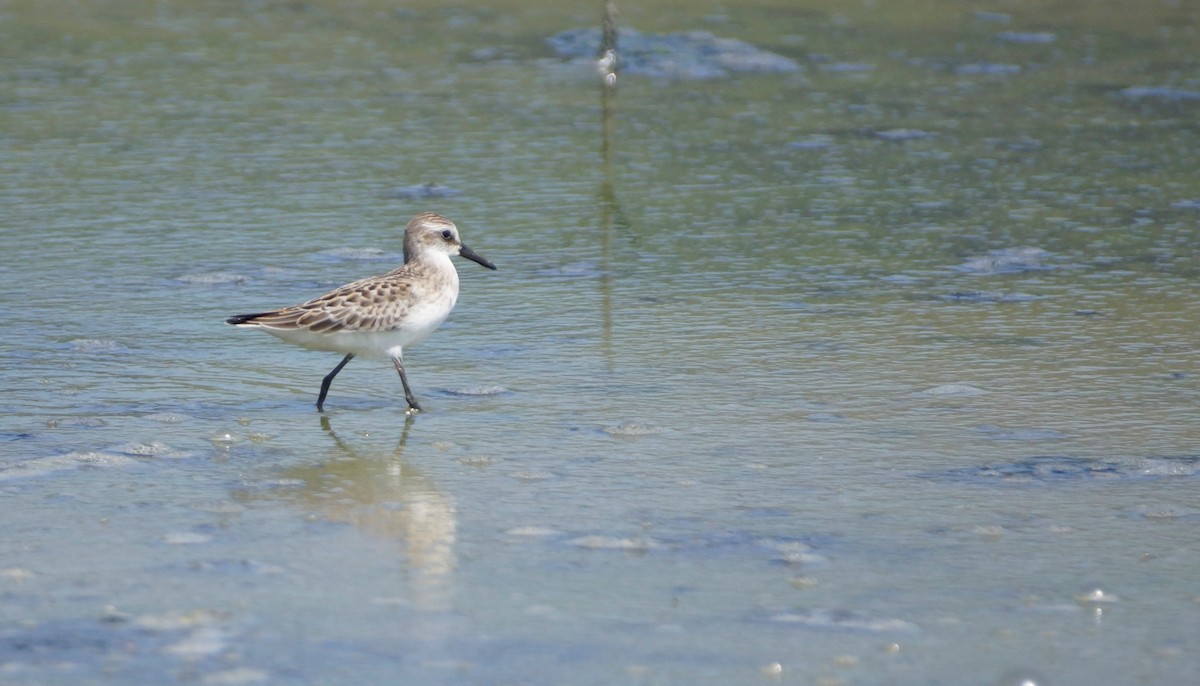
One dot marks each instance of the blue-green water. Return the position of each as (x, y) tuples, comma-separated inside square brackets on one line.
[(871, 372)]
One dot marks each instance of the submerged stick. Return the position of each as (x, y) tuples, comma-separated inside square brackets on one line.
[(610, 210), (608, 61)]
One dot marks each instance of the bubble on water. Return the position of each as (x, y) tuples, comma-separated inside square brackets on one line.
[(1020, 677), (1096, 596), (224, 439)]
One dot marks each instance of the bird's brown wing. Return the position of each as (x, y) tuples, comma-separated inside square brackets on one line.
[(372, 304)]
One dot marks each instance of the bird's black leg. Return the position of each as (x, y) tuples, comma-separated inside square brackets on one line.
[(398, 360), (329, 379)]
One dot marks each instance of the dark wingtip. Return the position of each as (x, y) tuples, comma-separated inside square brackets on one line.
[(242, 318)]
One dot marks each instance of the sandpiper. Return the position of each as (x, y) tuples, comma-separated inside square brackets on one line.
[(381, 315)]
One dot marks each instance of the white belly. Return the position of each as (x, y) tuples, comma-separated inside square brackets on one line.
[(418, 324)]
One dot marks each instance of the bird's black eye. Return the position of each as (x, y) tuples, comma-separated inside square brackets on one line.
[(447, 234)]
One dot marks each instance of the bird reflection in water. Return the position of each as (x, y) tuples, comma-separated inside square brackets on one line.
[(382, 495)]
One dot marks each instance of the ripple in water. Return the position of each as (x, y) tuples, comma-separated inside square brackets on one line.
[(841, 620), (1049, 469), (1008, 261), (213, 279), (74, 460), (954, 390), (632, 429)]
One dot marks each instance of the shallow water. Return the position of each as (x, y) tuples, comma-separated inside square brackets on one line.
[(881, 371)]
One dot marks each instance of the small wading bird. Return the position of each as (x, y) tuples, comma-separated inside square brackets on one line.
[(379, 316)]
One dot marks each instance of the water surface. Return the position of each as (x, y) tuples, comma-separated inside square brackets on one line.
[(882, 370)]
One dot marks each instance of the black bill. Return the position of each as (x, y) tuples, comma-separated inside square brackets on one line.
[(475, 257)]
